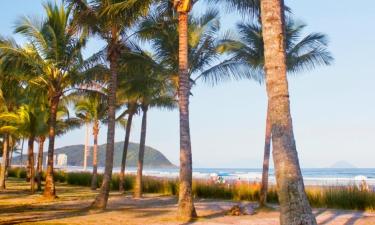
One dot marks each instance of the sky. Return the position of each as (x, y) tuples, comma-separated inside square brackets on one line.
[(332, 108)]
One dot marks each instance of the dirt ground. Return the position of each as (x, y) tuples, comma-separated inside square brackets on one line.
[(17, 206)]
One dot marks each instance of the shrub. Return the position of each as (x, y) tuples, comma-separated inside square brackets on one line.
[(341, 197), (17, 172)]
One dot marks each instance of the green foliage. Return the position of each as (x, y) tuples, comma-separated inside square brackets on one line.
[(343, 197), (17, 172)]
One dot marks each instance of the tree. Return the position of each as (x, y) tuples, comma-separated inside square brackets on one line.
[(110, 20), (302, 53), (11, 94), (93, 108), (24, 123), (132, 108), (146, 81), (51, 60), (162, 30), (294, 205), (186, 209)]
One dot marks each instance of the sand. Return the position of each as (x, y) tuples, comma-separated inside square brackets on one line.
[(17, 206)]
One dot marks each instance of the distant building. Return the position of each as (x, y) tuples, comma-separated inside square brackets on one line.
[(62, 160), (59, 160)]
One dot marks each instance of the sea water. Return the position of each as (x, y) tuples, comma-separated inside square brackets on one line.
[(316, 176)]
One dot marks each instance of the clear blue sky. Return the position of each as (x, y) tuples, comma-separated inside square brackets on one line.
[(333, 108)]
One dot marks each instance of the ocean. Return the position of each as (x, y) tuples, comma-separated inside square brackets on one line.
[(316, 176)]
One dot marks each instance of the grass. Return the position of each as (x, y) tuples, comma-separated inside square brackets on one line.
[(338, 197)]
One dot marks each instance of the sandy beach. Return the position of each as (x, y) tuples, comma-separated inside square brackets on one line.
[(72, 207)]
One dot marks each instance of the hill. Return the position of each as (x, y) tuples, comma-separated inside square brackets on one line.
[(153, 158)]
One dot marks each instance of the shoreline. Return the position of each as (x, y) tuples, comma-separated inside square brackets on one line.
[(322, 177)]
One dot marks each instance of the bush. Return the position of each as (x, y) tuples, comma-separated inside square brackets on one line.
[(17, 172), (343, 197), (81, 179)]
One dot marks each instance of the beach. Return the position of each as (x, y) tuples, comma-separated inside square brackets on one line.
[(19, 207)]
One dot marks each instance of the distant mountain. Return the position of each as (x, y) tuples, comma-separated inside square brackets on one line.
[(152, 158), (342, 165)]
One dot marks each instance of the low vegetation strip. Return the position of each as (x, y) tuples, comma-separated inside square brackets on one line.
[(338, 197)]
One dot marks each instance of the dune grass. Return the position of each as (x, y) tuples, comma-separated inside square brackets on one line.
[(339, 197)]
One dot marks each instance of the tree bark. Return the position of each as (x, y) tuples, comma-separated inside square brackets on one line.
[(31, 163), (186, 209), (49, 188), (266, 162), (113, 53), (86, 150), (94, 181), (3, 163), (125, 152), (294, 206), (138, 180), (41, 141), (23, 140)]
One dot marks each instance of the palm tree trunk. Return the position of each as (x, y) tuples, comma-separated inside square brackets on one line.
[(3, 163), (49, 188), (9, 152), (186, 209), (138, 180), (86, 150), (294, 206), (94, 180), (11, 155), (266, 162), (102, 198), (31, 164), (41, 141), (125, 152), (23, 140)]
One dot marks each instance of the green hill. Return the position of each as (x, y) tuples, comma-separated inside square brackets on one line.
[(153, 158)]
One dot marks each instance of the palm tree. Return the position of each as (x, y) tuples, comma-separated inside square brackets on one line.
[(302, 52), (146, 81), (24, 122), (93, 108), (186, 209), (162, 30), (132, 109), (11, 94), (294, 205), (52, 59), (110, 20)]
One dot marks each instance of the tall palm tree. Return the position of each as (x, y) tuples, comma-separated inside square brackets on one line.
[(132, 109), (163, 31), (12, 93), (294, 205), (302, 52), (146, 81), (110, 19), (186, 209), (52, 59), (24, 121), (93, 107)]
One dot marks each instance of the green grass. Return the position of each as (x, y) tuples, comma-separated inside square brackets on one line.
[(343, 197)]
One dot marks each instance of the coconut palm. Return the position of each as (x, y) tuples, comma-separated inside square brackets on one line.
[(12, 93), (93, 108), (109, 19), (302, 52), (24, 122), (294, 205), (51, 59), (131, 110), (162, 29), (146, 81), (186, 209)]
